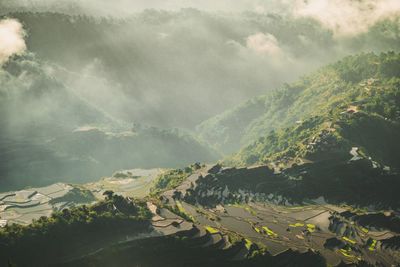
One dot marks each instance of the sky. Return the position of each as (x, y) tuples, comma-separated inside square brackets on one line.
[(76, 64), (342, 16), (155, 66)]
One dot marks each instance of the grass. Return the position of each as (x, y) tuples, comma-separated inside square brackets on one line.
[(182, 210), (248, 244), (348, 240), (346, 252), (311, 227), (297, 225), (170, 179), (211, 229), (372, 246), (319, 101), (257, 229), (269, 232)]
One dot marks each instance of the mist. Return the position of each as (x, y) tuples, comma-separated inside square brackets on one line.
[(11, 39), (125, 75), (154, 66)]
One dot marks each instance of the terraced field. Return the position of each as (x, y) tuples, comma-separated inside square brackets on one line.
[(189, 229), (324, 229), (21, 207)]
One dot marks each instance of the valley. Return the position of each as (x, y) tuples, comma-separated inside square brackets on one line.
[(252, 134), (224, 219), (322, 192)]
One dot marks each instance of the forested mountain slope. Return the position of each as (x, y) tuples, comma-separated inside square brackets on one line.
[(368, 82), (140, 57), (344, 143)]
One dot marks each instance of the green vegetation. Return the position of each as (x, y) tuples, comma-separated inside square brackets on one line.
[(172, 251), (72, 232), (348, 240), (248, 244), (172, 178), (257, 229), (364, 81), (372, 245), (333, 135), (311, 227), (212, 230), (180, 210), (76, 195), (169, 180), (269, 232), (120, 175), (297, 225), (335, 109), (347, 252)]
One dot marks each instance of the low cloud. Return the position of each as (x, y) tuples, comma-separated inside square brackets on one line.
[(266, 44), (12, 40), (343, 17), (346, 17), (133, 68)]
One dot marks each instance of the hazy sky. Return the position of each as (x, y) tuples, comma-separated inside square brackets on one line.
[(342, 16), (175, 64), (177, 68)]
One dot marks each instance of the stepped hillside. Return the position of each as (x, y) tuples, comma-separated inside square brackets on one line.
[(345, 145), (355, 105), (369, 82), (94, 172), (201, 215), (324, 193)]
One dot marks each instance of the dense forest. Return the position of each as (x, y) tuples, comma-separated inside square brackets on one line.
[(67, 233), (367, 81)]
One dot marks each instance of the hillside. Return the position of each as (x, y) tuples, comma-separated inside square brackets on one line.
[(129, 52), (49, 132), (180, 136), (367, 81), (343, 145), (323, 191), (357, 105), (201, 215)]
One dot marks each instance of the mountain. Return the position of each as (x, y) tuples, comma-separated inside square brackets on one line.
[(139, 57), (308, 173), (322, 192), (342, 142), (51, 132), (332, 135), (368, 82), (201, 215)]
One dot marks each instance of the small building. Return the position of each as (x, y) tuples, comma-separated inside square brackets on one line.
[(352, 109)]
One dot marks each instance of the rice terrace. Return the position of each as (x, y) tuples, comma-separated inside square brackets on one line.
[(199, 133)]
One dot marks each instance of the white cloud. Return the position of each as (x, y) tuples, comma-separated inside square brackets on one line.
[(347, 17), (11, 39), (264, 44)]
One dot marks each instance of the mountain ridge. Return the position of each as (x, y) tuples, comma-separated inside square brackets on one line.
[(347, 83)]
